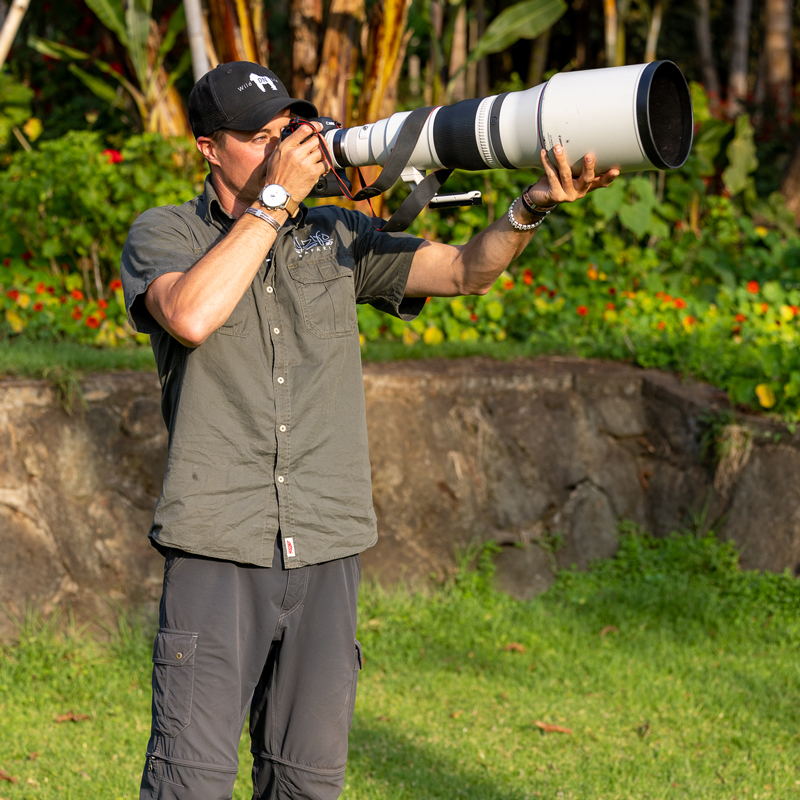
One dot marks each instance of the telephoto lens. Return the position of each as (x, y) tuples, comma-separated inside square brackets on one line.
[(631, 118)]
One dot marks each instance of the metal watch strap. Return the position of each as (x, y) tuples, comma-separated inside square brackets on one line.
[(257, 212)]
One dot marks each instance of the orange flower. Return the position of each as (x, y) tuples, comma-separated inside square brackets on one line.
[(101, 314), (795, 310), (102, 303), (680, 303), (473, 316), (610, 307), (40, 288), (38, 306), (752, 287), (115, 284), (76, 294), (508, 285), (77, 313), (92, 321), (662, 325), (740, 318), (527, 277), (764, 308), (582, 311), (689, 322), (591, 273)]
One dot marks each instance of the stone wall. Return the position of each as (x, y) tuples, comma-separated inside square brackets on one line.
[(547, 454)]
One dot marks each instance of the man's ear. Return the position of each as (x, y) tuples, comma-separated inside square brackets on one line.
[(208, 149)]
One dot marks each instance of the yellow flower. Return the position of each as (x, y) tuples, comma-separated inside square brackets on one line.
[(362, 340), (433, 336), (15, 321), (765, 395), (787, 315), (761, 230), (24, 300), (603, 276), (409, 337)]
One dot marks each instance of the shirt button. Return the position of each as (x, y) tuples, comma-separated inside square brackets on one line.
[(276, 330), (282, 429), (280, 380), (280, 479), (270, 290)]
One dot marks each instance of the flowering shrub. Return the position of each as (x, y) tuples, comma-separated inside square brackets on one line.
[(38, 305)]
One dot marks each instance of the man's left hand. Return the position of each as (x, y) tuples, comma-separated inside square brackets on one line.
[(559, 186)]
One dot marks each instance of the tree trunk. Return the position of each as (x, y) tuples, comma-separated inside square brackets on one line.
[(305, 20), (622, 16), (232, 30), (539, 53), (166, 113), (779, 56), (437, 25), (582, 27), (740, 50), (790, 187), (705, 48), (337, 66), (482, 77), (654, 31), (458, 55), (610, 9)]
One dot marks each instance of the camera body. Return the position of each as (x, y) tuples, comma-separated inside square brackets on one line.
[(329, 185)]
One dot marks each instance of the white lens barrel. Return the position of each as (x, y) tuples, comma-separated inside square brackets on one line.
[(632, 118)]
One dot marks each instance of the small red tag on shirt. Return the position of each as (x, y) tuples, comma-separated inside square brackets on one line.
[(290, 547)]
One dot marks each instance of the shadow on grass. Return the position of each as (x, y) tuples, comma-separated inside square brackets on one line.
[(382, 762)]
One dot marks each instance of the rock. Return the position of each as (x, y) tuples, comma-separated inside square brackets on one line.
[(586, 527), (523, 571)]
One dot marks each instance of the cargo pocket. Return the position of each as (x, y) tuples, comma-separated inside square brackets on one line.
[(327, 294), (173, 680), (358, 664)]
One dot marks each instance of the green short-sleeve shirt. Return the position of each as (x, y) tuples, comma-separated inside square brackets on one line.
[(266, 419)]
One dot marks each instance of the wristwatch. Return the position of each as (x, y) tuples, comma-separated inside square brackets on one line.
[(275, 198)]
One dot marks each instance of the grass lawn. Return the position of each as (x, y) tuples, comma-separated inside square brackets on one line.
[(677, 675)]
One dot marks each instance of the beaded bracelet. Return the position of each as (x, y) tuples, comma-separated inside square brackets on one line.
[(518, 226)]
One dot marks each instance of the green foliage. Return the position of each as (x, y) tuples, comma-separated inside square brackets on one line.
[(71, 201), (15, 106)]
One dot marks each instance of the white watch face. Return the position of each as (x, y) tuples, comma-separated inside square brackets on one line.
[(274, 196)]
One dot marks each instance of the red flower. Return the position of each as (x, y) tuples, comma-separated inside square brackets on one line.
[(662, 325), (6, 262), (115, 284), (12, 293), (752, 287), (117, 67), (612, 291), (38, 306), (40, 288), (473, 317), (102, 303), (77, 313), (527, 277), (795, 310), (76, 294), (680, 302), (740, 318), (62, 299), (92, 321), (610, 307), (737, 329), (51, 290), (101, 314), (114, 156), (582, 311), (508, 285), (552, 293), (26, 256)]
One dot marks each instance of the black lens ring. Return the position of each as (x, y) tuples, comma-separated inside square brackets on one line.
[(338, 154), (494, 130), (643, 114)]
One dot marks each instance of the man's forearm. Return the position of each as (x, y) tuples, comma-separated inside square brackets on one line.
[(192, 305)]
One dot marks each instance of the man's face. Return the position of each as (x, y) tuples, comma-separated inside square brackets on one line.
[(239, 158)]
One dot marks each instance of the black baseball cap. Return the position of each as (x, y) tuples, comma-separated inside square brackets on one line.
[(241, 96)]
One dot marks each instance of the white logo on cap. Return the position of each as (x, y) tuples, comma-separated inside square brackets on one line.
[(260, 80)]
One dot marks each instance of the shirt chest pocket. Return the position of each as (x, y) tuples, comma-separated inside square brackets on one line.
[(327, 295), (239, 322)]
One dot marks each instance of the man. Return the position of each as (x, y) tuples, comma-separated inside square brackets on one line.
[(250, 300)]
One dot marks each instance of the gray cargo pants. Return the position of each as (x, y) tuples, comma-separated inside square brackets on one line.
[(279, 642)]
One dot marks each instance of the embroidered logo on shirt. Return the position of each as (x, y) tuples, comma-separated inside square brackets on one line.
[(314, 243), (290, 547)]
